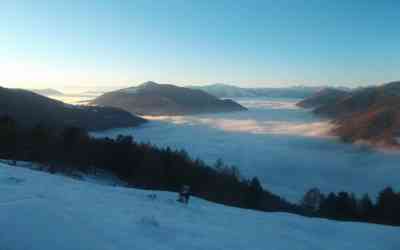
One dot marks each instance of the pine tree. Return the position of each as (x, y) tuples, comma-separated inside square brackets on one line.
[(8, 137), (312, 200), (366, 208), (388, 206)]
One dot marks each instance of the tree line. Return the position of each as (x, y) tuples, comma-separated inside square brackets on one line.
[(346, 206), (145, 166), (139, 165)]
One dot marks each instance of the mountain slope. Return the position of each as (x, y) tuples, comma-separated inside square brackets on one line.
[(323, 97), (377, 125), (371, 114), (163, 99), (39, 211), (29, 109), (224, 90), (47, 92)]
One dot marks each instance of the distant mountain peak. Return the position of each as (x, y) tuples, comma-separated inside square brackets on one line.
[(146, 86), (151, 98), (223, 90)]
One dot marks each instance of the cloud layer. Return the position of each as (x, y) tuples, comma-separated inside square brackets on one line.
[(319, 129), (284, 146)]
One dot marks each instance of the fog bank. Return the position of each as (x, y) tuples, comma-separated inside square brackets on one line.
[(286, 147)]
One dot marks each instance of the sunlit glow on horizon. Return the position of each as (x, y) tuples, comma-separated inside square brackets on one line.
[(70, 44)]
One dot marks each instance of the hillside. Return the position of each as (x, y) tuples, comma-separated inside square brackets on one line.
[(40, 211), (230, 91), (47, 92), (323, 97), (370, 114), (29, 109), (152, 98)]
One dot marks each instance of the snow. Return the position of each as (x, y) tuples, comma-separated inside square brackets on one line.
[(97, 176), (40, 211)]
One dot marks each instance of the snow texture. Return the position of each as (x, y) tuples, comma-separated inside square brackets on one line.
[(40, 211)]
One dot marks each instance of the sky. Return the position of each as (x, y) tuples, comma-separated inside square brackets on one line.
[(100, 43)]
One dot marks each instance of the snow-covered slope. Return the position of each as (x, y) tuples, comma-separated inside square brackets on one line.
[(46, 212)]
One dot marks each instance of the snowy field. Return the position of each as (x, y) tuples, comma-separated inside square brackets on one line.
[(285, 146), (39, 211)]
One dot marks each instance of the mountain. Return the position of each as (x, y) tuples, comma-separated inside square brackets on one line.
[(369, 114), (224, 90), (230, 91), (47, 92), (151, 98), (29, 109), (95, 215), (323, 97)]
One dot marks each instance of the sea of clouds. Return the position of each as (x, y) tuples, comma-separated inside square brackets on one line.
[(288, 148)]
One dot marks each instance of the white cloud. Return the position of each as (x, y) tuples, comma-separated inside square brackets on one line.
[(253, 126)]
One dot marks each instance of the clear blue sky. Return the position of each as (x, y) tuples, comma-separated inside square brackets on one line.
[(250, 43)]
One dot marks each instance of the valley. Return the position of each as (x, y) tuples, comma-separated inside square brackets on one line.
[(289, 148)]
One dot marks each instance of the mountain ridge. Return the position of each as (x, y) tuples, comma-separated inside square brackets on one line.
[(47, 92), (369, 114), (222, 90), (29, 109), (151, 98)]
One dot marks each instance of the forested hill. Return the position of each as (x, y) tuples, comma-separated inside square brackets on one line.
[(30, 109), (151, 98), (368, 114)]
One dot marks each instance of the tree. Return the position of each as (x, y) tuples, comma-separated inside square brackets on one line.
[(328, 207), (254, 194), (219, 164), (40, 143), (73, 136), (312, 200), (125, 140), (346, 205), (8, 137), (366, 208), (388, 206)]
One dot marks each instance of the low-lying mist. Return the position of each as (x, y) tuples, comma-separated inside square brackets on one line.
[(286, 147), (252, 125)]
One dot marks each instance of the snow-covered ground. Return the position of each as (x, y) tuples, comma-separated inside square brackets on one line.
[(46, 212)]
